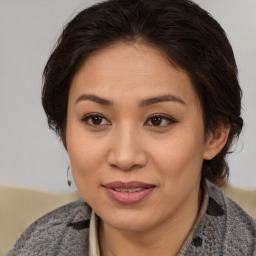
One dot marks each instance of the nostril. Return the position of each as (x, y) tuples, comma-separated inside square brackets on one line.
[(126, 156)]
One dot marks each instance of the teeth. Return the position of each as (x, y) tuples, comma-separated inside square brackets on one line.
[(129, 190)]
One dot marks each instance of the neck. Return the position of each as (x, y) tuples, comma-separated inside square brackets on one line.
[(164, 239)]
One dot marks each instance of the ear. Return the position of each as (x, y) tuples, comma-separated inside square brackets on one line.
[(216, 140)]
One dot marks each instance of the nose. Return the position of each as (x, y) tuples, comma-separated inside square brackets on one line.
[(127, 151)]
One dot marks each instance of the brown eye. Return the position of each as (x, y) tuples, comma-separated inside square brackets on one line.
[(160, 121), (156, 121), (95, 120)]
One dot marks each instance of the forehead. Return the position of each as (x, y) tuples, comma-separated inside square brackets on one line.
[(134, 69)]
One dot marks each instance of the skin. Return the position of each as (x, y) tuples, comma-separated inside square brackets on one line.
[(127, 145)]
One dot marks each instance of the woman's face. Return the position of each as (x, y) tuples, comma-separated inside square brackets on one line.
[(135, 138)]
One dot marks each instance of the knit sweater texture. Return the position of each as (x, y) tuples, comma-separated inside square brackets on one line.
[(224, 230)]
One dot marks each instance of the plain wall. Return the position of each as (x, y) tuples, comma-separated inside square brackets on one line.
[(30, 154)]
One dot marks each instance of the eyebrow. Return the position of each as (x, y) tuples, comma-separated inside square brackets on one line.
[(159, 99), (94, 98), (143, 103)]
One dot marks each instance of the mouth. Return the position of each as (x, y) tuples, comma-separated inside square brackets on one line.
[(130, 192)]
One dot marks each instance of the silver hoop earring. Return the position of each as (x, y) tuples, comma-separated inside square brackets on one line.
[(68, 179)]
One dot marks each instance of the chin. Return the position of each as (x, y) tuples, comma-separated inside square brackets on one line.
[(128, 220)]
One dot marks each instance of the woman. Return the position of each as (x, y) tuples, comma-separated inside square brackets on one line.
[(145, 97)]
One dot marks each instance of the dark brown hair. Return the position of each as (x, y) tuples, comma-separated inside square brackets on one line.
[(189, 37)]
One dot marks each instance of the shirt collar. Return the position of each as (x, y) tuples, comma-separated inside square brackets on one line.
[(93, 235)]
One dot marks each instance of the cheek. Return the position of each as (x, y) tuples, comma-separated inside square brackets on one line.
[(180, 154), (85, 164), (82, 147), (85, 156)]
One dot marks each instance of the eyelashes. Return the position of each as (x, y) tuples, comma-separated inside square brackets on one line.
[(156, 120), (160, 120), (95, 120)]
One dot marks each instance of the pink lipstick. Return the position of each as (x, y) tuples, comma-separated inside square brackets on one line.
[(128, 193)]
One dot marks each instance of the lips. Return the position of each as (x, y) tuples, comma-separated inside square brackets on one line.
[(130, 192)]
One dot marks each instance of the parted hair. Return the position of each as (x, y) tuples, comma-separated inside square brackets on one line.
[(190, 38)]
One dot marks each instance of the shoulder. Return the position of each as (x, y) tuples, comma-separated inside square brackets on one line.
[(62, 231), (240, 228), (235, 215), (225, 229)]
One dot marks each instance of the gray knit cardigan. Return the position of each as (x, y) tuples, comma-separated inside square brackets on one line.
[(225, 229)]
